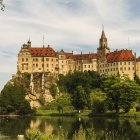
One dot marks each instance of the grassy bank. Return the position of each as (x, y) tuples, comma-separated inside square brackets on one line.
[(130, 114), (40, 112)]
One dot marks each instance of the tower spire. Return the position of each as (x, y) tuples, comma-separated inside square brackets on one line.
[(103, 33), (29, 42)]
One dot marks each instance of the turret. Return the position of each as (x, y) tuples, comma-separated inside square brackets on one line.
[(29, 43), (103, 48), (103, 40)]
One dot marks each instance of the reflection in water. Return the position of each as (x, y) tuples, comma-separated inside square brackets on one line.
[(126, 128)]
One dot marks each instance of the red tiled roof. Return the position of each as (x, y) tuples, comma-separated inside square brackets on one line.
[(138, 59), (82, 56), (121, 55), (42, 52)]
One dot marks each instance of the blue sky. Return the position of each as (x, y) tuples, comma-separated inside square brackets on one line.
[(72, 25)]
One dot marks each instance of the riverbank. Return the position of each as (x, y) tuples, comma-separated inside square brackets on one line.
[(40, 112), (87, 113), (130, 114)]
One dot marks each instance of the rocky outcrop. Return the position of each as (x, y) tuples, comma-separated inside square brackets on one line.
[(36, 86)]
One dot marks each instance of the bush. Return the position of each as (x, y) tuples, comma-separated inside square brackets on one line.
[(37, 135), (84, 134), (99, 106)]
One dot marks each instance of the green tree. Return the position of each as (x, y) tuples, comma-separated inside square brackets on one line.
[(12, 98), (98, 101), (121, 92), (53, 90), (79, 98)]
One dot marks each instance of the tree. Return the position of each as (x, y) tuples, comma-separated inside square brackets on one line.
[(98, 101), (2, 5), (12, 98), (121, 92), (79, 98), (53, 90)]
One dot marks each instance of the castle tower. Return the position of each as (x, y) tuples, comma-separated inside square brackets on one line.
[(29, 43), (103, 40), (103, 48)]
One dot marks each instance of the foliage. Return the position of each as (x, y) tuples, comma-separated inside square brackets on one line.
[(136, 78), (42, 100), (88, 80), (2, 5), (63, 102), (37, 135), (79, 85), (53, 90), (12, 98), (98, 103), (79, 98), (121, 92), (82, 134), (99, 106)]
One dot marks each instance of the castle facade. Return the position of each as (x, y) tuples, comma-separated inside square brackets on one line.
[(47, 60)]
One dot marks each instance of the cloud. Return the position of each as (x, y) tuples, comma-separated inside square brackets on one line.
[(74, 25)]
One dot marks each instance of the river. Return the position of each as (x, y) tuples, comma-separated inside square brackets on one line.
[(126, 128)]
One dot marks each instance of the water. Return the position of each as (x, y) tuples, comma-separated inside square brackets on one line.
[(12, 126)]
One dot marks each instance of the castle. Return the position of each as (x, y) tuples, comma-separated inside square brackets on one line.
[(47, 60)]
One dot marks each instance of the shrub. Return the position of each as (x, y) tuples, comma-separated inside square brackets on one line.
[(99, 106)]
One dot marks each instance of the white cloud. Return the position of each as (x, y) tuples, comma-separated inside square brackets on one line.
[(68, 24)]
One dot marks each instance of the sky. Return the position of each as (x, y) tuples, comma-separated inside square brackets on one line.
[(71, 25)]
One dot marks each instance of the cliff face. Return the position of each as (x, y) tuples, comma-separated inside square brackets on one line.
[(37, 87)]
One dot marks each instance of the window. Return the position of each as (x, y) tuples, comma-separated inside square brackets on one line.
[(79, 67), (88, 66), (36, 59), (129, 68), (52, 65), (47, 59), (52, 59), (62, 66), (47, 65), (42, 65), (125, 68), (124, 63), (36, 65), (85, 66), (120, 63), (26, 59), (128, 63), (120, 68), (42, 59), (22, 59)]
